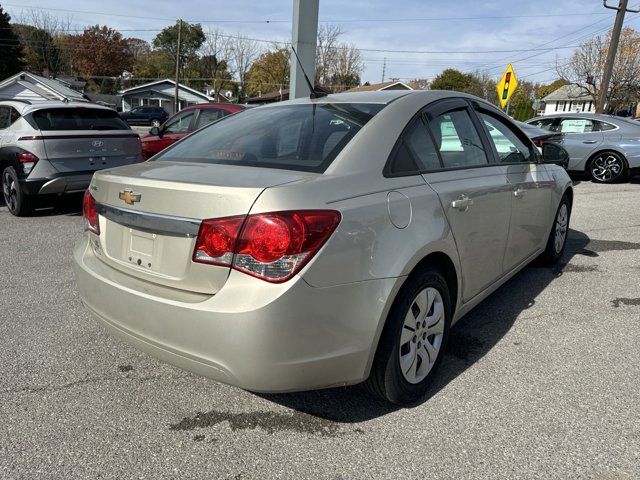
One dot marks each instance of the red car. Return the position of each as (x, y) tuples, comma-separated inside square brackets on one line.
[(183, 123)]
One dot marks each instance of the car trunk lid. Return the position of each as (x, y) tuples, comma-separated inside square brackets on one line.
[(151, 214)]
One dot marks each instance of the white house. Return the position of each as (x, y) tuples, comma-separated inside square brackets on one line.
[(35, 88), (376, 87), (161, 94), (569, 98)]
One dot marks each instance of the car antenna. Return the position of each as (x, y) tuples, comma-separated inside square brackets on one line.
[(313, 93)]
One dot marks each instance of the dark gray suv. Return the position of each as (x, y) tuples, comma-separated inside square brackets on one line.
[(53, 148)]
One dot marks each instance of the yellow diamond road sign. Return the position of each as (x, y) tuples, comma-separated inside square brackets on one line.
[(507, 85)]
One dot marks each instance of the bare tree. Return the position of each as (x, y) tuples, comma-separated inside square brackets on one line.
[(586, 66), (243, 51), (419, 83), (216, 52), (347, 68), (326, 50), (45, 37)]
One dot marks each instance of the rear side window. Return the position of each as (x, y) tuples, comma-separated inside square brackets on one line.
[(209, 116), (458, 140), (416, 152), (8, 115), (544, 123), (54, 119), (301, 137), (604, 126), (577, 125)]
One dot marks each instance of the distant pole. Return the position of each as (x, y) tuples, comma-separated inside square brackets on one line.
[(176, 101), (304, 38), (384, 69), (613, 49)]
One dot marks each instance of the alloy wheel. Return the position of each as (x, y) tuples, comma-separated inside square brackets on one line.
[(607, 167), (422, 334), (9, 191), (562, 222), (155, 123)]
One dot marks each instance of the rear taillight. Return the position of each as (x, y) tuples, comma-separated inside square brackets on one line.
[(217, 240), (271, 246), (27, 160), (90, 214)]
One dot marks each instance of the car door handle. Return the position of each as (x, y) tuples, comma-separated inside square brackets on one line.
[(462, 203), (589, 142), (518, 192)]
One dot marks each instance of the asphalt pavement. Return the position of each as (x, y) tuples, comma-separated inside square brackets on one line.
[(542, 380)]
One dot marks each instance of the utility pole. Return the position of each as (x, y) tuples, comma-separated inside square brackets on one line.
[(384, 69), (176, 101), (304, 37), (613, 49)]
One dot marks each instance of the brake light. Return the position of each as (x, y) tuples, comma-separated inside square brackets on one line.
[(90, 214), (270, 246), (27, 160)]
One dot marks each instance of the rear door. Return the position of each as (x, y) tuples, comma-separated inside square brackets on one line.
[(474, 193), (531, 186), (86, 138), (177, 127), (581, 138)]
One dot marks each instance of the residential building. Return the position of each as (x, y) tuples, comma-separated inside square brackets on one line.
[(568, 98), (35, 88), (375, 87), (161, 94)]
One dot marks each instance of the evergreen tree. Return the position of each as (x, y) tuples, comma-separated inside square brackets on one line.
[(10, 48)]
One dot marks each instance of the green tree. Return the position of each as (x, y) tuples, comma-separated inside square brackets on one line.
[(452, 79), (41, 54), (269, 72), (10, 48), (155, 64), (191, 40)]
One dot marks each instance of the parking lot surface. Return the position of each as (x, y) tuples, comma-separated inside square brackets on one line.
[(542, 380)]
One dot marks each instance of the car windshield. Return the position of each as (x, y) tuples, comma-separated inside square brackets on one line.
[(81, 118), (305, 137)]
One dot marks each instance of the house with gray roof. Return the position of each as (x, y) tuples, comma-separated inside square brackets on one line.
[(160, 94), (568, 98), (35, 88)]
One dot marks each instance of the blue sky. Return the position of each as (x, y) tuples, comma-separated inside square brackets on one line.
[(407, 25)]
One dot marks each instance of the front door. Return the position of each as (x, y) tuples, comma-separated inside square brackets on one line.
[(474, 193), (530, 184)]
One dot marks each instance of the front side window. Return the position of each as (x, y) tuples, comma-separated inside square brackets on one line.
[(81, 118), (301, 137), (510, 148), (577, 125), (458, 140), (180, 124)]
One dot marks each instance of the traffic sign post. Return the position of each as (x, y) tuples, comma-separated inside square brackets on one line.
[(506, 86)]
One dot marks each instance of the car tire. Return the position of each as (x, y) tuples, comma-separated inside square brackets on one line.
[(17, 202), (155, 123), (393, 377), (557, 241), (607, 167)]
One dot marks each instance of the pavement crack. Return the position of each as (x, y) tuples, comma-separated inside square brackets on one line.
[(633, 302)]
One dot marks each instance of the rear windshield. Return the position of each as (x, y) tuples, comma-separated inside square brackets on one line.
[(302, 137), (53, 119)]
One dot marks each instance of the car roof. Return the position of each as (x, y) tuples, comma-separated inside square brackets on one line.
[(213, 106), (27, 107)]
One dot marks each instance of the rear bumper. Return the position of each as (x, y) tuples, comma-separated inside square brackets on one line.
[(252, 334), (62, 183)]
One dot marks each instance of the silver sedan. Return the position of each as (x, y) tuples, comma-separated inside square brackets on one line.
[(605, 147), (320, 242)]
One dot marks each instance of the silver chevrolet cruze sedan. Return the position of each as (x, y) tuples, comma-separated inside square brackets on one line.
[(320, 242)]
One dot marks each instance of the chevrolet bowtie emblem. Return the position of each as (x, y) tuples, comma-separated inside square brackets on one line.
[(129, 197)]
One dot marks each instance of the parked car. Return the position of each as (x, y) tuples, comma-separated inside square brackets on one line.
[(53, 148), (320, 242), (183, 123), (548, 143), (145, 115), (605, 147)]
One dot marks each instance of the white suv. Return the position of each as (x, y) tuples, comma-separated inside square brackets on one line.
[(53, 148)]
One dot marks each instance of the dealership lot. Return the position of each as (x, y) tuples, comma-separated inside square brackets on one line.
[(539, 380)]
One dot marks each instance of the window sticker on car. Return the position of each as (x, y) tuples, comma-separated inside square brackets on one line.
[(576, 125)]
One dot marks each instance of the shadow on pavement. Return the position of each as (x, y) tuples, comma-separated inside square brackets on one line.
[(470, 339)]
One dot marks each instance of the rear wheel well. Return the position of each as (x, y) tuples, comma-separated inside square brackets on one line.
[(445, 265)]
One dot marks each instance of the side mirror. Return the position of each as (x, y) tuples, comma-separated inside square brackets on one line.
[(155, 131), (553, 153)]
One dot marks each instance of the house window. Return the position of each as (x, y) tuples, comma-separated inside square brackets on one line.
[(561, 105), (570, 105)]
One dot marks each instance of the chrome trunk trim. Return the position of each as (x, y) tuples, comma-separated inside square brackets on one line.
[(151, 222)]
